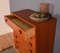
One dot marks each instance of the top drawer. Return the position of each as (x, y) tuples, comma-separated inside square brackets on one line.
[(15, 22)]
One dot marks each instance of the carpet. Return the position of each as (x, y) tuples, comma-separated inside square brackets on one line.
[(9, 50)]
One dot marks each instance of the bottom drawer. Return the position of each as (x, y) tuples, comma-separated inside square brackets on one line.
[(24, 46), (16, 46), (24, 50), (32, 44)]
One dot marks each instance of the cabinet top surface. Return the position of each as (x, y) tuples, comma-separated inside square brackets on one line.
[(24, 14)]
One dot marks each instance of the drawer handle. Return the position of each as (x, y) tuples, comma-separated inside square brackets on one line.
[(16, 42), (6, 20), (30, 37), (30, 50), (15, 36), (20, 31), (30, 43), (16, 47)]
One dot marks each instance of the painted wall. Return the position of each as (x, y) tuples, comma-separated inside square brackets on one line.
[(4, 7), (4, 10), (24, 4)]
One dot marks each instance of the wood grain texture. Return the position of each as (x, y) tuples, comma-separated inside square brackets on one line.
[(6, 41)]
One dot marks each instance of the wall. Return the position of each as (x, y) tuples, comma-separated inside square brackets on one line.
[(24, 4), (34, 4), (4, 7), (4, 10)]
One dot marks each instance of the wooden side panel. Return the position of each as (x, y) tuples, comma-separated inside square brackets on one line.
[(51, 34), (45, 36)]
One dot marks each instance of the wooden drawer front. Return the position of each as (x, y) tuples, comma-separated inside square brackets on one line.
[(33, 41), (19, 22), (24, 47), (32, 44), (19, 34), (11, 24), (20, 43), (30, 33), (16, 46)]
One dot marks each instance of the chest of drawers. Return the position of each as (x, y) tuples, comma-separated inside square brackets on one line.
[(30, 36)]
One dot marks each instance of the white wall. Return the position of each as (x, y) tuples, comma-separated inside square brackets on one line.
[(4, 10), (4, 7), (24, 4)]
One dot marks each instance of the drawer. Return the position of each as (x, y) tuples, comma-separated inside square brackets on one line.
[(32, 43), (30, 33), (25, 45), (24, 48), (19, 34), (11, 24), (18, 22), (31, 40)]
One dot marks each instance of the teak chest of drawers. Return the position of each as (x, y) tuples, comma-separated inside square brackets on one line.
[(30, 36)]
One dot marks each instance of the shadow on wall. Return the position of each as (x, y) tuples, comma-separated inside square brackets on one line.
[(57, 36), (51, 8)]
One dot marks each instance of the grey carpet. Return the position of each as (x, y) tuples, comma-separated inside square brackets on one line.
[(8, 50)]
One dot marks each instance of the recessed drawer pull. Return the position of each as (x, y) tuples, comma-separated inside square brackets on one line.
[(16, 42), (17, 47), (30, 43), (20, 31), (30, 50), (30, 37), (6, 20), (15, 36)]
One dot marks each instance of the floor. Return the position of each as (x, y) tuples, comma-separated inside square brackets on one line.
[(6, 38), (9, 50), (7, 44)]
